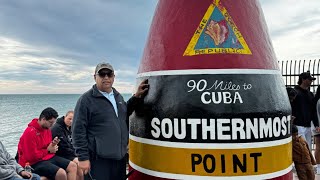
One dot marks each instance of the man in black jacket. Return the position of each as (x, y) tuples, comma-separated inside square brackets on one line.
[(62, 130), (100, 127), (303, 109)]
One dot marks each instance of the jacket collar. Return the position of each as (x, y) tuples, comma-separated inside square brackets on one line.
[(96, 93)]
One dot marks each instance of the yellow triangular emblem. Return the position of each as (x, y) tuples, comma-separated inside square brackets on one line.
[(217, 34)]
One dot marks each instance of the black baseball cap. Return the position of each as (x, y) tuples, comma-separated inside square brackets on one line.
[(306, 75)]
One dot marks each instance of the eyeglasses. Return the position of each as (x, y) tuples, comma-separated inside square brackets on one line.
[(51, 121), (106, 73)]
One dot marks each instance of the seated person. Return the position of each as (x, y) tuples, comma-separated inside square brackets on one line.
[(37, 147), (62, 129), (10, 169)]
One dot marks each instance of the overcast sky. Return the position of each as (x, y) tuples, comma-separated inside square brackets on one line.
[(53, 46)]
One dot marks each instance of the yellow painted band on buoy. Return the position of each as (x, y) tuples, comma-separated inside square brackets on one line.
[(211, 162)]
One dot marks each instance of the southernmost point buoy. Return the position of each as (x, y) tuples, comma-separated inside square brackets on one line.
[(217, 107)]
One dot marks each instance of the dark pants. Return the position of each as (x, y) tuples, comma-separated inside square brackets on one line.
[(305, 171), (49, 168), (108, 169)]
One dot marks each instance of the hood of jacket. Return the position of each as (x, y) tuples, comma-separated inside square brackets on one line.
[(34, 124), (60, 121), (62, 124)]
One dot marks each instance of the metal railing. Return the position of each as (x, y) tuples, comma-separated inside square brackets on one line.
[(291, 69)]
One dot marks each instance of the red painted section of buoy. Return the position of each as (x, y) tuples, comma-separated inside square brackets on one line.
[(175, 22)]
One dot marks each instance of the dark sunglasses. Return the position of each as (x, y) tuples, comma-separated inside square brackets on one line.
[(105, 73)]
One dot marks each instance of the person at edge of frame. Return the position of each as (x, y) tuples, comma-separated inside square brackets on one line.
[(303, 108), (301, 156), (315, 131), (11, 170)]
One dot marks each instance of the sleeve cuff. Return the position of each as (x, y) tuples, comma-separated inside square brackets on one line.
[(83, 158), (20, 170)]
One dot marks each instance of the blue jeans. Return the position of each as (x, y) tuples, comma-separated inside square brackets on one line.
[(34, 177)]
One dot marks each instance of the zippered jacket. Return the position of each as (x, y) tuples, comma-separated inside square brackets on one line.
[(33, 144), (97, 132), (60, 130), (8, 165)]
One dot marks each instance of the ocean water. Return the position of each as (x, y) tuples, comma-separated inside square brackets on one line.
[(16, 111)]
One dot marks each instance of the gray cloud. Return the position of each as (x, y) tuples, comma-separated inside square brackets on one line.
[(58, 43), (73, 34), (95, 28)]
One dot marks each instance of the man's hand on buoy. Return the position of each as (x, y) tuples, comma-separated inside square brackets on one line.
[(142, 89)]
